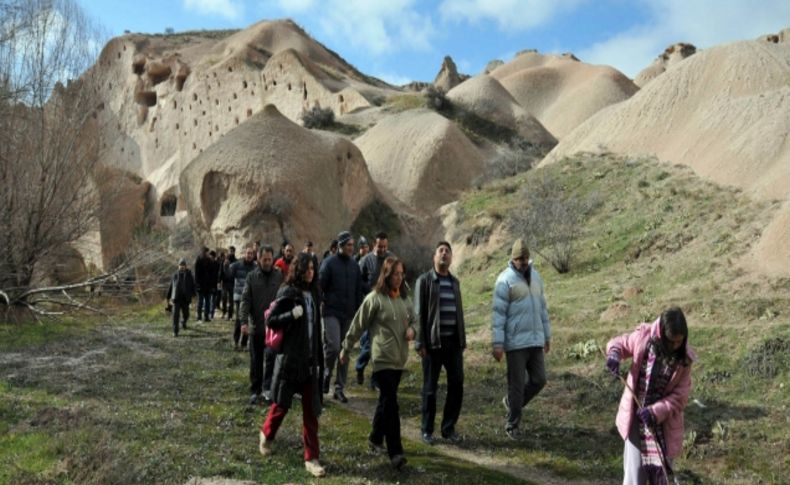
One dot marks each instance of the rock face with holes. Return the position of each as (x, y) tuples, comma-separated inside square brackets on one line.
[(270, 172)]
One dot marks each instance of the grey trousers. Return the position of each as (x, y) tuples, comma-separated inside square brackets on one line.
[(334, 332), (526, 376)]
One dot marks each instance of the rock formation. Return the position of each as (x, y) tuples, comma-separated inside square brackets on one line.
[(671, 56), (271, 178), (448, 76), (560, 91)]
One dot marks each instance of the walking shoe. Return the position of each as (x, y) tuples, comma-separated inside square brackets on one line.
[(340, 396), (199, 319), (427, 438), (253, 400), (184, 325), (373, 384), (453, 437), (513, 433), (314, 468), (506, 403), (267, 396), (265, 445), (360, 377), (376, 448), (398, 461)]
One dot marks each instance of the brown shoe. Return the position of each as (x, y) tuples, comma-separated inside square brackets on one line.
[(314, 468), (264, 445)]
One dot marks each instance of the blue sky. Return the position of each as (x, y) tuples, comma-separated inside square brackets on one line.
[(404, 40)]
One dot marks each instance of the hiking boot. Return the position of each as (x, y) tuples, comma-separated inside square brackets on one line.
[(340, 396), (253, 400), (265, 445), (513, 433), (398, 462), (453, 437), (314, 468), (427, 438), (375, 447), (360, 377), (267, 396), (199, 319), (184, 325)]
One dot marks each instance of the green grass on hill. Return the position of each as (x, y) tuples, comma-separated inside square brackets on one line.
[(91, 401)]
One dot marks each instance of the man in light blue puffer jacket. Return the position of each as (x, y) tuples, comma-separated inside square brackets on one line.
[(521, 331)]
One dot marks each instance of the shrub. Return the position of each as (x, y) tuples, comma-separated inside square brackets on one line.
[(317, 117)]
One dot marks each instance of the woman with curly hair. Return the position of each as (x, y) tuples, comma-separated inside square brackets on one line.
[(299, 363)]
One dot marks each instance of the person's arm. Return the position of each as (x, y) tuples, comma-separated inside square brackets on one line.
[(411, 329), (622, 347), (675, 401), (324, 275), (360, 323), (245, 309), (499, 318), (420, 306), (544, 316)]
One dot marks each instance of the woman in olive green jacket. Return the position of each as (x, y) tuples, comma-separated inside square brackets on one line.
[(386, 313)]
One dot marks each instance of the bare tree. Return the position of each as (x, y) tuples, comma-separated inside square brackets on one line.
[(550, 220), (48, 137)]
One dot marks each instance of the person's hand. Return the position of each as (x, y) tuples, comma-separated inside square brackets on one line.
[(423, 352), (297, 312), (343, 357), (547, 347), (409, 334), (613, 364), (498, 352), (244, 329), (646, 417)]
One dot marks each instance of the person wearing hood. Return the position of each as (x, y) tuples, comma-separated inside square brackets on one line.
[(521, 332), (182, 290), (650, 415)]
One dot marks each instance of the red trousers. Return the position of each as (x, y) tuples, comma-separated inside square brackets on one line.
[(309, 422)]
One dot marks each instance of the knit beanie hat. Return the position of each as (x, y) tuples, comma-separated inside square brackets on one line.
[(182, 261), (343, 238), (520, 250)]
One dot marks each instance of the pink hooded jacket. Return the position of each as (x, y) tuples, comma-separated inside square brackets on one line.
[(668, 411)]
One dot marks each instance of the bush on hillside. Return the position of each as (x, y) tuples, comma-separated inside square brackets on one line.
[(550, 220), (317, 117)]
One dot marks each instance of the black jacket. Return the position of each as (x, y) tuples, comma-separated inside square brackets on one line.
[(426, 307), (295, 362), (341, 286), (182, 287), (260, 289), (206, 273)]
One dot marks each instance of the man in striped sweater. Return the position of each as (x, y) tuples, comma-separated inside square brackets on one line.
[(441, 341)]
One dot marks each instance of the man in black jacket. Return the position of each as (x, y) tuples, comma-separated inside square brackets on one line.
[(206, 281), (341, 285), (260, 290), (440, 341), (182, 289)]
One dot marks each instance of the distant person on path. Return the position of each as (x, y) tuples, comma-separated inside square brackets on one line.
[(300, 361), (651, 422), (238, 271), (284, 261), (363, 248), (370, 266), (215, 281), (205, 281), (331, 251), (182, 289), (387, 315), (260, 290), (441, 340), (521, 331), (341, 288), (226, 286)]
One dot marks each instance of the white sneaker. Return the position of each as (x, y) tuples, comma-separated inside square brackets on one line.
[(314, 468), (265, 446)]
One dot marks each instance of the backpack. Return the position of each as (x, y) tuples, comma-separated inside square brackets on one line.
[(274, 337)]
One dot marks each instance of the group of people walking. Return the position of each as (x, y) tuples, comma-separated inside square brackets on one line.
[(322, 311)]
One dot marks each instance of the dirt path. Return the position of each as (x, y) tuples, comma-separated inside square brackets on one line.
[(362, 405)]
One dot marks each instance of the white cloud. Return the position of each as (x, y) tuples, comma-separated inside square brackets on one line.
[(393, 78), (509, 15), (230, 9), (378, 27), (703, 23)]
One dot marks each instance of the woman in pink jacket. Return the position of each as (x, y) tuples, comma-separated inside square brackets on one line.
[(651, 422)]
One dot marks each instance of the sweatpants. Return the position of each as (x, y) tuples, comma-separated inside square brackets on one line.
[(526, 376), (309, 422)]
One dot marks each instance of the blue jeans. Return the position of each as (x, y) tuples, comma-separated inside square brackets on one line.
[(364, 352), (205, 304)]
